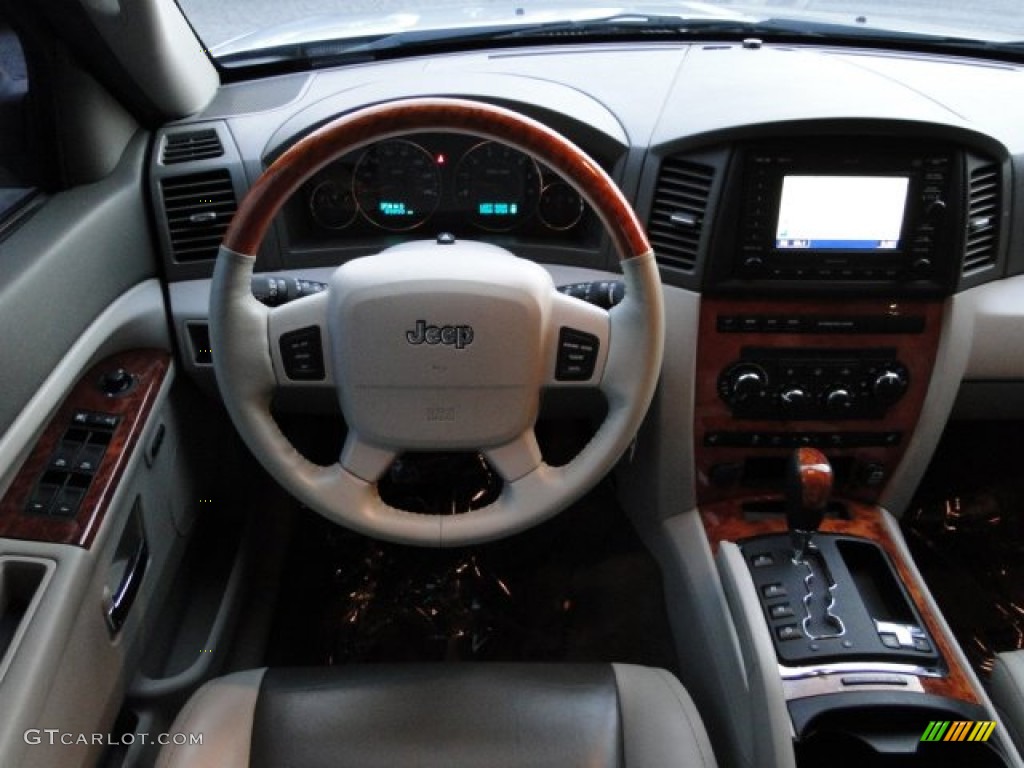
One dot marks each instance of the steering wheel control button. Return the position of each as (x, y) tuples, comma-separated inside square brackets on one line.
[(302, 354), (577, 355), (601, 293), (274, 290)]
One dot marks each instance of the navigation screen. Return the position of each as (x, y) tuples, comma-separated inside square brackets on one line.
[(856, 213)]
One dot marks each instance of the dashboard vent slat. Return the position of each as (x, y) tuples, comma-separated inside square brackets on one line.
[(198, 208), (677, 213), (982, 241), (194, 145)]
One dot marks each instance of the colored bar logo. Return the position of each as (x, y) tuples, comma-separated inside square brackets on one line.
[(958, 730)]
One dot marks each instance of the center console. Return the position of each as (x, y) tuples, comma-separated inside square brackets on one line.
[(838, 631), (820, 325)]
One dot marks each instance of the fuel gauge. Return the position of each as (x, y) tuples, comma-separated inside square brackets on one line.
[(332, 204)]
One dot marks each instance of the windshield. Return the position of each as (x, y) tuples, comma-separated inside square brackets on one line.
[(235, 28)]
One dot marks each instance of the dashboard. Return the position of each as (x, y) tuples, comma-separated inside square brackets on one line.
[(839, 234), (835, 228)]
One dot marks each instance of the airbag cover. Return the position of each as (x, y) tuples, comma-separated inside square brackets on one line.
[(440, 345)]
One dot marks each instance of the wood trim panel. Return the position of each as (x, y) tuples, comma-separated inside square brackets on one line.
[(725, 521), (149, 367), (718, 350), (357, 129)]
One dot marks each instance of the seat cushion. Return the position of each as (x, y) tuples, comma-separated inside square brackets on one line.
[(444, 716)]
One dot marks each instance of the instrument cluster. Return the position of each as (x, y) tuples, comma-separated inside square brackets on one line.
[(432, 183)]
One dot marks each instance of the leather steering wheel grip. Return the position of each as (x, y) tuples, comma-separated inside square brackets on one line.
[(245, 372)]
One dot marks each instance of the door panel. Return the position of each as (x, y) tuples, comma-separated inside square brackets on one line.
[(74, 257)]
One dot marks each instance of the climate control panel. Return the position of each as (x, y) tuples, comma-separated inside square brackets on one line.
[(807, 383)]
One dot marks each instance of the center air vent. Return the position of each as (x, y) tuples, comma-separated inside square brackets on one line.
[(982, 240), (677, 214), (199, 208), (193, 145)]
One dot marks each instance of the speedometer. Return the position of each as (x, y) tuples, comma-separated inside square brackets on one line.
[(397, 184), (497, 186)]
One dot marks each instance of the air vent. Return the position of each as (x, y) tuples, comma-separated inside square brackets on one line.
[(982, 219), (677, 215), (199, 208), (195, 145)]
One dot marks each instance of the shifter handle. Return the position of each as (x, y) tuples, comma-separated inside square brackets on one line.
[(808, 486)]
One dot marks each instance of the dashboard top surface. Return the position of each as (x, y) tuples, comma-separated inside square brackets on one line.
[(632, 107)]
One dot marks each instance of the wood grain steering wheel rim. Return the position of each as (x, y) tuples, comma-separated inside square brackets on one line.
[(631, 335)]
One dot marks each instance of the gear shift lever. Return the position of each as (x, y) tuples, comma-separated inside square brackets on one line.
[(808, 486)]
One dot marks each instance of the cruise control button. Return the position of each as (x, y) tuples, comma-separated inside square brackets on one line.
[(577, 355), (302, 354)]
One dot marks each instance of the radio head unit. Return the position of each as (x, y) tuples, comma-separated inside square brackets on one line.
[(840, 209)]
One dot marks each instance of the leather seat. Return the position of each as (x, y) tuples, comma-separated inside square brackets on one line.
[(443, 716)]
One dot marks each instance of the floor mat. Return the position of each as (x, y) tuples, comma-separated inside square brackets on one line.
[(966, 532), (578, 588)]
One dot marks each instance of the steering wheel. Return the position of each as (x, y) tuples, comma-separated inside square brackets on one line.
[(436, 345)]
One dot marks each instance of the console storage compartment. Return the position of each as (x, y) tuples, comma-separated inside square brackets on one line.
[(887, 729)]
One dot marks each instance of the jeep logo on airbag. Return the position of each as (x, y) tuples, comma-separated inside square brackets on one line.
[(458, 336)]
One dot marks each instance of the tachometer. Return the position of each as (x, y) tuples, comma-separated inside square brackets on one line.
[(497, 186), (397, 184), (331, 203)]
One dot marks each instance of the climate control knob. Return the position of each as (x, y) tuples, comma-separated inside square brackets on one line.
[(889, 385), (743, 382), (794, 398), (838, 400)]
